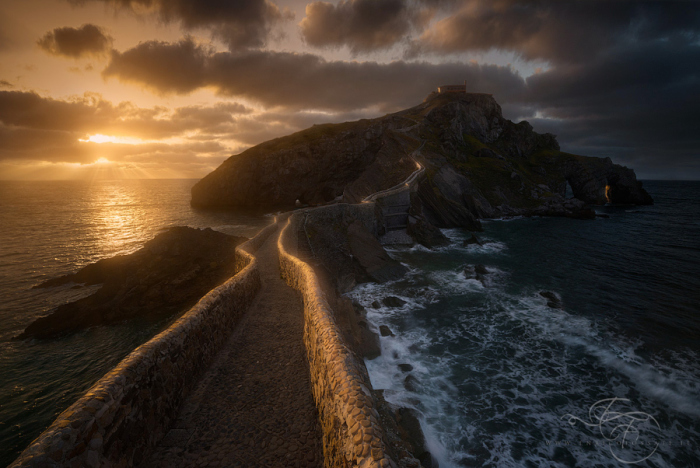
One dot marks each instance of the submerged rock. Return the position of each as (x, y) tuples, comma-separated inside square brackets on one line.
[(385, 331), (168, 275), (405, 367), (553, 300), (393, 301), (472, 240)]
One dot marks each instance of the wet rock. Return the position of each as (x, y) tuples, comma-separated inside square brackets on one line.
[(367, 250), (376, 305), (407, 419), (472, 240), (385, 331), (393, 301), (481, 270), (553, 300), (411, 383), (405, 367), (425, 233)]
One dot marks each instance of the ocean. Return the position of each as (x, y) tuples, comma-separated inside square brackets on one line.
[(51, 228), (500, 379), (497, 377)]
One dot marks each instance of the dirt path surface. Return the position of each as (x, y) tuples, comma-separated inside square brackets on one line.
[(253, 407)]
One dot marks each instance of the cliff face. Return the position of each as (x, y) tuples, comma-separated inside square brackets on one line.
[(478, 165)]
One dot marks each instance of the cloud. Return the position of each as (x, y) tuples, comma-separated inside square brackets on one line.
[(33, 127), (362, 25), (561, 32), (87, 40), (238, 23), (299, 81)]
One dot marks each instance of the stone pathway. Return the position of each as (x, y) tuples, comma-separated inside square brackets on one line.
[(253, 407)]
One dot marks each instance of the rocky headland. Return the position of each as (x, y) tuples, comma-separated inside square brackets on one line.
[(477, 165), (168, 275)]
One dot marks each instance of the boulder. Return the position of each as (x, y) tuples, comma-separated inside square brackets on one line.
[(393, 301), (553, 299), (367, 250), (385, 330), (472, 240), (425, 233)]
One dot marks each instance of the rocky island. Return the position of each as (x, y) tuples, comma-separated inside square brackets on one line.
[(477, 165)]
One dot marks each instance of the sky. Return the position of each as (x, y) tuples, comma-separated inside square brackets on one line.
[(171, 88)]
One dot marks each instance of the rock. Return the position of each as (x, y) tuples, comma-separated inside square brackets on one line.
[(168, 275), (411, 383), (367, 250), (472, 240), (385, 331), (376, 305), (393, 301), (405, 367), (425, 233), (369, 346), (481, 270), (407, 419), (602, 215), (553, 300)]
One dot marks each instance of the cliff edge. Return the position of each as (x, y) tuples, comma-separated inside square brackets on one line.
[(478, 165)]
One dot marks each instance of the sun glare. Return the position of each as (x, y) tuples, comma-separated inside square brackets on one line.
[(99, 138), (102, 161)]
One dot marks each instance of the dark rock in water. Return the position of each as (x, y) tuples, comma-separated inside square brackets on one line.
[(553, 300), (376, 305), (369, 344), (385, 331), (407, 419), (405, 367), (367, 250), (393, 301), (481, 270), (472, 240), (602, 215), (425, 233), (168, 275), (411, 383), (469, 272)]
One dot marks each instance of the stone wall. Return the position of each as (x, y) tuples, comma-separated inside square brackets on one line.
[(352, 433), (131, 408)]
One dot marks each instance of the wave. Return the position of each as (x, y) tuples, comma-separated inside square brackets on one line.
[(492, 372)]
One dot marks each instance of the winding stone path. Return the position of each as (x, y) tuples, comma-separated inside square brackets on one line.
[(254, 406)]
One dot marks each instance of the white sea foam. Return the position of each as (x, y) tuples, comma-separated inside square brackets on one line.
[(519, 367)]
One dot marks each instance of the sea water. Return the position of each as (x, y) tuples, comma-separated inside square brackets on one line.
[(48, 229), (500, 378)]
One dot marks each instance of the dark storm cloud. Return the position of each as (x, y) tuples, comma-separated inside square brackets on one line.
[(362, 25), (238, 23), (557, 31), (301, 81), (76, 42), (638, 105)]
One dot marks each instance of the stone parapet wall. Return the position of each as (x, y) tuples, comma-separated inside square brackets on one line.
[(352, 433), (131, 408)]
